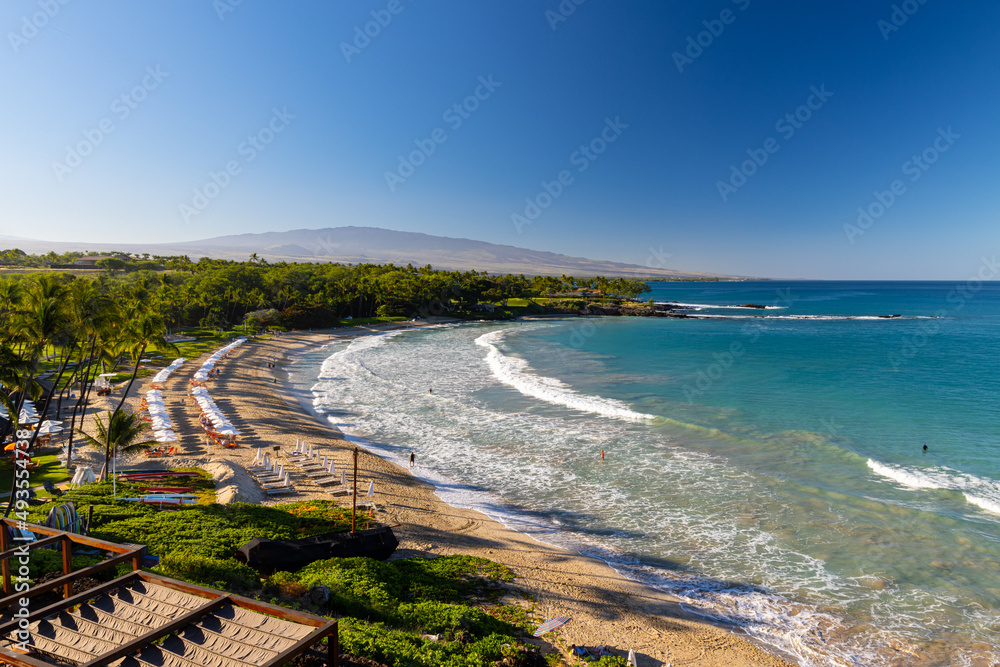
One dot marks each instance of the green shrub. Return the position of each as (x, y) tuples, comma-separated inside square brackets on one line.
[(359, 586), (440, 618), (208, 571), (44, 561), (515, 615), (400, 649)]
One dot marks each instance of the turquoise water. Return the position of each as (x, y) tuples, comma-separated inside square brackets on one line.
[(765, 465)]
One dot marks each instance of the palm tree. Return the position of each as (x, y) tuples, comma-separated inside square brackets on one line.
[(143, 328), (39, 322), (92, 314), (121, 434)]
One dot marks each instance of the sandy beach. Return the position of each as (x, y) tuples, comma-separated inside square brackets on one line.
[(605, 607)]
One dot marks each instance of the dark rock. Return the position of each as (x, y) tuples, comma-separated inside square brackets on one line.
[(320, 596)]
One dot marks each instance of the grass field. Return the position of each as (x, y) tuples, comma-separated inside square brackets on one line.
[(48, 470)]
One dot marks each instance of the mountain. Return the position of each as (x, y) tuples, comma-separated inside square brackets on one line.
[(372, 245)]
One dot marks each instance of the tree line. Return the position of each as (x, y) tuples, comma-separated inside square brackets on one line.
[(68, 325)]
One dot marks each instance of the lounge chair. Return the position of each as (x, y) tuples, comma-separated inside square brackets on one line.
[(279, 489), (283, 481)]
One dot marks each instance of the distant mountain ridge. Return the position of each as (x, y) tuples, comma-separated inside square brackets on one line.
[(356, 245)]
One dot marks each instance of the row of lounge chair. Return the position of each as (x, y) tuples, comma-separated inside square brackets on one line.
[(273, 479)]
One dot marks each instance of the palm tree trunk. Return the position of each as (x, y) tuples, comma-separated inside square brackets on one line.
[(84, 392), (107, 447), (34, 435)]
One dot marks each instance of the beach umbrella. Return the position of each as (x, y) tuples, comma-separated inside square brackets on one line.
[(10, 447), (371, 489), (343, 478), (47, 430), (25, 418), (631, 658), (330, 469)]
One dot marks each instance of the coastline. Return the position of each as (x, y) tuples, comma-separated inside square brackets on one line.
[(606, 607)]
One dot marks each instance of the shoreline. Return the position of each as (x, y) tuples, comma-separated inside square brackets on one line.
[(607, 607)]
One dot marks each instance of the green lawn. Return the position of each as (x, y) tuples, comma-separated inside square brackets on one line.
[(48, 470)]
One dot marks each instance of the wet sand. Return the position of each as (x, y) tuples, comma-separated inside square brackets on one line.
[(605, 607)]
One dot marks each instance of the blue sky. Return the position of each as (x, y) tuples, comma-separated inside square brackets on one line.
[(170, 120)]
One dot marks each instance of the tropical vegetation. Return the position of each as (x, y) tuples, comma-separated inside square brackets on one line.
[(447, 611)]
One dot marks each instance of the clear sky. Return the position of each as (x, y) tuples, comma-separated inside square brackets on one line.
[(449, 114)]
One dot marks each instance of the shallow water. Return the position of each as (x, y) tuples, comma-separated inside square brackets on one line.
[(766, 468)]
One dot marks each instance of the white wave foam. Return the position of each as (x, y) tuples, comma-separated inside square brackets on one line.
[(360, 344), (991, 506), (818, 318), (978, 491), (702, 306), (911, 478), (514, 372)]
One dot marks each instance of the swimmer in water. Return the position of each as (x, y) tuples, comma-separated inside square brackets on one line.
[(925, 448)]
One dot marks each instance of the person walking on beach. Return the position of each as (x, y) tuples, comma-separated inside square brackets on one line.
[(412, 459)]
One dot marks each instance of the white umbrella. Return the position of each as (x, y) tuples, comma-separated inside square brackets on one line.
[(44, 430), (631, 658), (166, 438), (371, 489), (343, 478), (25, 418)]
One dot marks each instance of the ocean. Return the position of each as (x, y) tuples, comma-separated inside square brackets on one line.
[(764, 465)]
